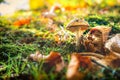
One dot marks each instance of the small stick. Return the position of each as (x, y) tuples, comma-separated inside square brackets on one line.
[(107, 68), (92, 54)]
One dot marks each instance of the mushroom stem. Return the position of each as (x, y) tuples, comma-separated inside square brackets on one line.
[(78, 38)]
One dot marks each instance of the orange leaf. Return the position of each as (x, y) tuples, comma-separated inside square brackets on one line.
[(22, 22)]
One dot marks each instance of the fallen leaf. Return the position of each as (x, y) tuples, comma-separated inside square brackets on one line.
[(96, 38), (113, 44), (22, 21), (54, 59), (36, 57), (73, 68), (50, 15)]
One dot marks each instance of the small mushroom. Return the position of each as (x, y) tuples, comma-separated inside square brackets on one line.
[(78, 26)]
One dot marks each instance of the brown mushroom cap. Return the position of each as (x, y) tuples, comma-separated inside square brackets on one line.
[(77, 24)]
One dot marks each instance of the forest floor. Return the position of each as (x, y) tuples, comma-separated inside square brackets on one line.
[(26, 32)]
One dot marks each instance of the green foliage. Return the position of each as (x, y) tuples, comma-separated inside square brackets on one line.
[(97, 20), (110, 20), (1, 1)]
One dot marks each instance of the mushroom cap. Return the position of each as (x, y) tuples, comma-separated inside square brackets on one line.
[(77, 24)]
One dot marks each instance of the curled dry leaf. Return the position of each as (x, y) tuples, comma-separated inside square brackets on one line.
[(105, 30), (95, 39), (76, 62), (51, 14), (115, 47), (113, 44), (36, 57), (56, 7), (54, 59)]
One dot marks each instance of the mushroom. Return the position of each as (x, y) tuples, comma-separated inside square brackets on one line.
[(78, 26)]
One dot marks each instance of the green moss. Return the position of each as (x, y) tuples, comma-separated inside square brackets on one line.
[(12, 50)]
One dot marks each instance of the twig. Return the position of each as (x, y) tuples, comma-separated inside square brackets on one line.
[(92, 54), (107, 68)]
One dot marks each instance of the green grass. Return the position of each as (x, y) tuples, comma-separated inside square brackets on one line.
[(16, 44)]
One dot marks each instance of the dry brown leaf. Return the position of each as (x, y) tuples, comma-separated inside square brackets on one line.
[(51, 13), (113, 44), (96, 38), (54, 59), (77, 61), (36, 57), (105, 30), (56, 7)]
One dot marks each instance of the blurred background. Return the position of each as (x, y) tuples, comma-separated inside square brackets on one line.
[(10, 6)]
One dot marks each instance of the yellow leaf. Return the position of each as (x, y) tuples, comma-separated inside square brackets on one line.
[(36, 4)]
